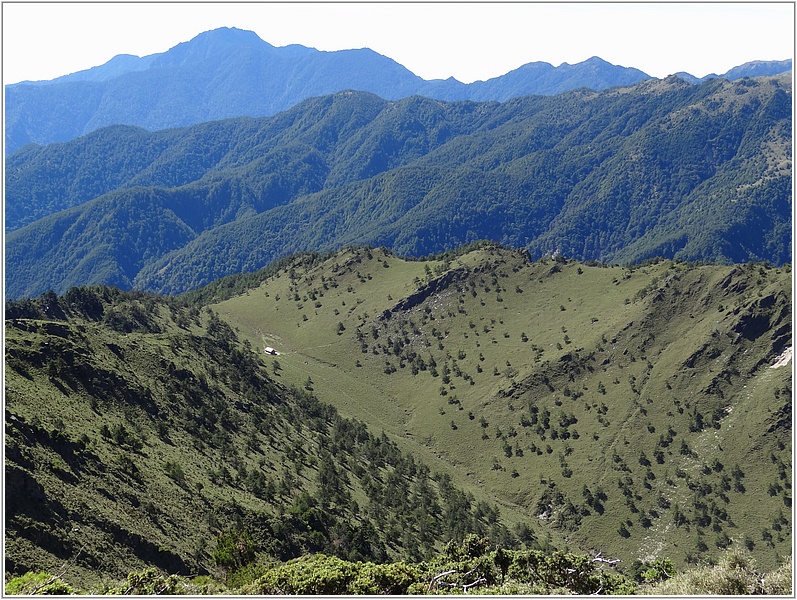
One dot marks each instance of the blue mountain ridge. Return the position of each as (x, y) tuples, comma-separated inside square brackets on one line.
[(230, 72)]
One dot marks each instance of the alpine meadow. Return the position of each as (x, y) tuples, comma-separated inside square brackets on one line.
[(391, 336)]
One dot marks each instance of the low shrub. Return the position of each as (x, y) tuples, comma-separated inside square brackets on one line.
[(321, 574), (37, 583), (734, 574)]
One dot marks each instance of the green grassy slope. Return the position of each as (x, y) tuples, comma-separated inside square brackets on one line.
[(641, 413), (632, 411)]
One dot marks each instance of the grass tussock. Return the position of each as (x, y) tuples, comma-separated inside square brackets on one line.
[(734, 574)]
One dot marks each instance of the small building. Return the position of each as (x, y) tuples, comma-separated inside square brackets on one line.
[(270, 350)]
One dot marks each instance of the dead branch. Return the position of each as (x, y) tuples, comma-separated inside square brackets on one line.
[(608, 561), (439, 576), (479, 581), (465, 586)]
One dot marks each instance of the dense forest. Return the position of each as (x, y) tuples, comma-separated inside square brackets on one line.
[(663, 168)]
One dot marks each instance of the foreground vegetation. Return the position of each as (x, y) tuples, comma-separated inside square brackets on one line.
[(471, 567)]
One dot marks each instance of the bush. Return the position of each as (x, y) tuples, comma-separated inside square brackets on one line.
[(567, 573), (321, 574), (390, 579), (735, 574), (312, 574), (152, 582), (659, 570), (174, 471), (37, 583), (234, 549)]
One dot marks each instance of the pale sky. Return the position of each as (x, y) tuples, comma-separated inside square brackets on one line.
[(435, 40)]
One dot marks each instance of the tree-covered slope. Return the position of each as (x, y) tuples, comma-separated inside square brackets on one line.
[(142, 432), (662, 168)]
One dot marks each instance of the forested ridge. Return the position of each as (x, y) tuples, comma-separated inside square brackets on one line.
[(663, 168)]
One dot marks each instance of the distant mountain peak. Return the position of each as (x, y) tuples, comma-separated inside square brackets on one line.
[(758, 68), (592, 60), (595, 60), (754, 68), (215, 41), (212, 43), (230, 35)]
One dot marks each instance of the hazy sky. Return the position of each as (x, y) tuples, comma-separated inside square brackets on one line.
[(469, 41)]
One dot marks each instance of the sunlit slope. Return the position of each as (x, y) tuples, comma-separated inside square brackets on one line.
[(633, 411)]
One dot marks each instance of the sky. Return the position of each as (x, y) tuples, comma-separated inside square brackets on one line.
[(435, 40)]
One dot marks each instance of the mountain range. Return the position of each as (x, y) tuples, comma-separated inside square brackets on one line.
[(230, 72), (660, 168), (382, 341)]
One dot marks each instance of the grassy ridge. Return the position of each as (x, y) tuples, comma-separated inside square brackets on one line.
[(632, 410)]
